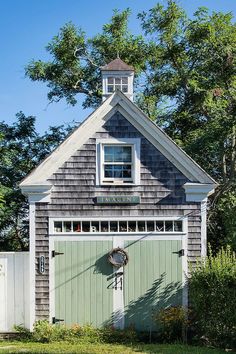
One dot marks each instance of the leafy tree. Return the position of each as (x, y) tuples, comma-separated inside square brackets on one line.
[(76, 60), (193, 65), (21, 149), (186, 77)]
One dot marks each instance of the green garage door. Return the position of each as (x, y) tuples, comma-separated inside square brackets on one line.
[(85, 281), (82, 293), (152, 280)]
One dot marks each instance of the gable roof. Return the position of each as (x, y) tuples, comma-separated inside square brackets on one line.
[(117, 102), (116, 65)]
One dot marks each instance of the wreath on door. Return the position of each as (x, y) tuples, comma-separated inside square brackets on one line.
[(118, 257)]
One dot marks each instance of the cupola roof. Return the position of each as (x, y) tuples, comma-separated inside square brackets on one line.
[(117, 64)]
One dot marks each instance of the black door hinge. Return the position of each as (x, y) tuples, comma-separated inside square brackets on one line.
[(54, 253), (55, 320), (180, 252)]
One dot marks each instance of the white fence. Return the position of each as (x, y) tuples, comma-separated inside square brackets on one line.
[(14, 290)]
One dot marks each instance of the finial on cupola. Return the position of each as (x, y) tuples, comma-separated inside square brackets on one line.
[(117, 75)]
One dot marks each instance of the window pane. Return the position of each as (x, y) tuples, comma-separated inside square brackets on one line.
[(67, 226), (118, 87), (86, 226), (127, 154), (124, 80), (141, 226), (108, 171), (94, 226), (58, 226), (124, 88), (168, 225), (123, 226), (110, 80), (117, 171), (76, 226), (117, 153), (113, 226), (159, 225), (126, 171), (132, 226), (150, 226), (110, 88), (178, 226), (104, 226), (117, 80)]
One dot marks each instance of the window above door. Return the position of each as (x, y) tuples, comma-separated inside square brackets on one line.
[(118, 161)]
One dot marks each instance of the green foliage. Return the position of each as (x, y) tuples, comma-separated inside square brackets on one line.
[(193, 65), (45, 332), (172, 323), (213, 298), (21, 149)]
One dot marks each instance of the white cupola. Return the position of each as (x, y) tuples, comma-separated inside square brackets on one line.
[(117, 75)]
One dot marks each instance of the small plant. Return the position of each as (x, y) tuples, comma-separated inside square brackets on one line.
[(46, 332), (24, 333), (172, 323)]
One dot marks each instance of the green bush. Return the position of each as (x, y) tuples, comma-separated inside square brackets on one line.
[(172, 324), (46, 332), (213, 298)]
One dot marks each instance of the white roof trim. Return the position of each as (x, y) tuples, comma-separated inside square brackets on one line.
[(198, 192), (117, 102)]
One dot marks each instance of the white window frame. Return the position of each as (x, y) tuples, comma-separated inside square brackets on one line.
[(135, 171), (164, 233), (119, 86)]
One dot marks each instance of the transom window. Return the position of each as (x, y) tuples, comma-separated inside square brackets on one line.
[(120, 226), (120, 83), (118, 163)]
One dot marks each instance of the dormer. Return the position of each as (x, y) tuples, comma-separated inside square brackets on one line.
[(117, 75)]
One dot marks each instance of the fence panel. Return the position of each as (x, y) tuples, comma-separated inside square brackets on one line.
[(14, 290)]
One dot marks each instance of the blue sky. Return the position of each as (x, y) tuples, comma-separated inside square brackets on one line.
[(26, 26)]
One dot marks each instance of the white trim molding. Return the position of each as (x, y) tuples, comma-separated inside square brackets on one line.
[(198, 192), (37, 193), (32, 265), (204, 228)]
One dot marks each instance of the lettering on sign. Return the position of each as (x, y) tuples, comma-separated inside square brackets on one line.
[(118, 200)]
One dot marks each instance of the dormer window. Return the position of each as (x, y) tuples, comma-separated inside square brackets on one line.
[(120, 83), (117, 75)]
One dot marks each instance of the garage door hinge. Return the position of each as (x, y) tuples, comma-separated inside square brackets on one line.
[(55, 320), (54, 253), (181, 253)]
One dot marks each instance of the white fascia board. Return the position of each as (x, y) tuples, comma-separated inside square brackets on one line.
[(163, 142), (65, 150), (37, 193), (198, 192)]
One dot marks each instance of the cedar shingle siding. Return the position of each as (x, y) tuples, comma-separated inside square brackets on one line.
[(74, 190)]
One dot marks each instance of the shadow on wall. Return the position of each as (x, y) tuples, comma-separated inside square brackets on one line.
[(140, 313)]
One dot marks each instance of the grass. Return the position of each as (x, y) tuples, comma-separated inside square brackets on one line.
[(98, 348)]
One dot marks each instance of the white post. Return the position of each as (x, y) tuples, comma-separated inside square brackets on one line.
[(32, 264)]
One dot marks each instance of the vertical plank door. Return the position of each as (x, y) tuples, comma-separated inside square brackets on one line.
[(82, 293), (152, 280)]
